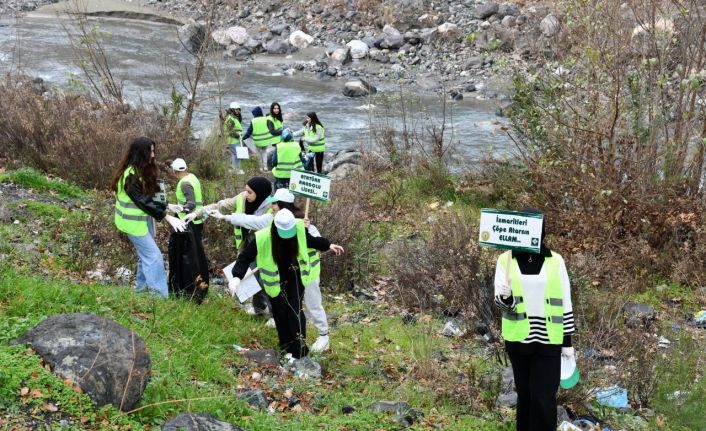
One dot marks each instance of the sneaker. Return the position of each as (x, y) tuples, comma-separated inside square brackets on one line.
[(270, 323), (321, 344), (249, 309)]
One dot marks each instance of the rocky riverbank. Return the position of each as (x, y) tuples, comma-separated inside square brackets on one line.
[(465, 48)]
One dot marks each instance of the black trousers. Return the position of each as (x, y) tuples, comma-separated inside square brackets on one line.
[(537, 380), (319, 161), (289, 318)]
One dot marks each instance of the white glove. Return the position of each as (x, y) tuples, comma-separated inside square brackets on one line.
[(504, 290), (216, 214), (191, 217), (567, 351), (177, 225), (174, 208), (233, 285)]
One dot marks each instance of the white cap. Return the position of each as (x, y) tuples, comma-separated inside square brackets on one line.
[(281, 195), (234, 105), (179, 165), (285, 223)]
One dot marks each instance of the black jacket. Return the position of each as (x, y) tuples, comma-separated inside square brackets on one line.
[(133, 188)]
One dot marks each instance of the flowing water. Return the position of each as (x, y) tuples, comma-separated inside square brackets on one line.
[(149, 60)]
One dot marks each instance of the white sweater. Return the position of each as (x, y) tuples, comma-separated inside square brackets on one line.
[(533, 295)]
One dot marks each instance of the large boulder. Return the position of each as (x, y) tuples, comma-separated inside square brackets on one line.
[(392, 38), (192, 35), (486, 10), (110, 363), (198, 422), (359, 49), (300, 39), (358, 88), (277, 47), (341, 55), (549, 25), (238, 34)]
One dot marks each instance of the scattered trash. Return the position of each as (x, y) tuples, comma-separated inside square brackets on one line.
[(678, 397), (123, 273), (238, 348), (613, 396), (698, 320), (664, 343), (451, 329), (585, 424), (566, 426)]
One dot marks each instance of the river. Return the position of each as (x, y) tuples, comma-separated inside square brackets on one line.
[(149, 60)]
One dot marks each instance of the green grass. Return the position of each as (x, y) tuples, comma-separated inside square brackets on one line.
[(32, 179)]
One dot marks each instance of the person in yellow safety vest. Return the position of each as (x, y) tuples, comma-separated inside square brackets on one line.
[(134, 184), (313, 306), (189, 195), (314, 136), (281, 254), (287, 156), (534, 295), (264, 135), (248, 212), (233, 131)]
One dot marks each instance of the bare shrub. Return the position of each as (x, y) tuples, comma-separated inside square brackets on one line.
[(74, 136), (447, 270)]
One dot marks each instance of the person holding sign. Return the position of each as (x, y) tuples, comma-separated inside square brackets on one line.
[(280, 253), (248, 212), (314, 136), (136, 187), (534, 294), (313, 307)]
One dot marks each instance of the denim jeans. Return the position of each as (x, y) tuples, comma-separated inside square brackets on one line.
[(151, 276)]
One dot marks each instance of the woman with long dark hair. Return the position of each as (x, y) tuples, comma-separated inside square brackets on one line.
[(135, 186), (314, 136), (313, 306), (280, 252)]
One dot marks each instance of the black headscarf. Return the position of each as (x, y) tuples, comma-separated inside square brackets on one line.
[(531, 263), (262, 188)]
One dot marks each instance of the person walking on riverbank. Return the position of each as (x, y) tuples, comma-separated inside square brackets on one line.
[(287, 156), (534, 295), (233, 131), (313, 135), (134, 184), (259, 131), (280, 253), (313, 306), (248, 212)]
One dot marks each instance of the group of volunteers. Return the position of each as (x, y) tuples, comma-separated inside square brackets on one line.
[(274, 240), (272, 236), (275, 143)]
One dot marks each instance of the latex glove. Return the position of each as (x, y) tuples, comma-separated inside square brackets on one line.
[(233, 285), (191, 217), (567, 351), (336, 249), (504, 290), (307, 222), (174, 208), (216, 214), (175, 223)]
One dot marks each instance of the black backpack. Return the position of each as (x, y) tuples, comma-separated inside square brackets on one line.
[(188, 267)]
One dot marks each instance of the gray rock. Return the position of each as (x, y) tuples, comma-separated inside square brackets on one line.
[(447, 31), (317, 8), (307, 368), (412, 37), (263, 357), (342, 55), (562, 415), (109, 362), (508, 9), (549, 25), (370, 41), (399, 407), (278, 28), (508, 399), (343, 157), (344, 171), (639, 315), (358, 88), (378, 55), (486, 10), (300, 39), (509, 21), (277, 47), (392, 38), (198, 422), (192, 36), (358, 48), (255, 398)]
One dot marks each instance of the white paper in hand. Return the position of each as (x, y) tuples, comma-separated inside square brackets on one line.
[(242, 153), (248, 285)]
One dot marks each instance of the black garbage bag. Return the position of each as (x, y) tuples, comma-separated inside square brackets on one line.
[(188, 267)]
